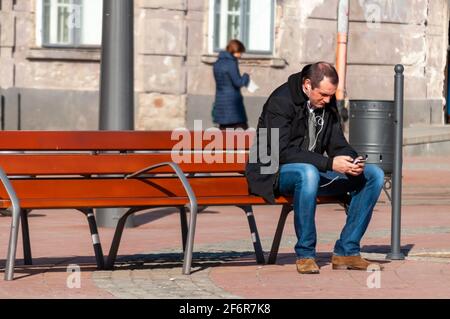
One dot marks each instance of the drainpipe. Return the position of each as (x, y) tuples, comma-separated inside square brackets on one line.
[(341, 55)]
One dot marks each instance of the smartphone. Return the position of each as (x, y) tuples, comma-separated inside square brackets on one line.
[(359, 160)]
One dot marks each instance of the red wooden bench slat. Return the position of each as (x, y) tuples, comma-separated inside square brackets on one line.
[(110, 188), (109, 140), (169, 201), (133, 202), (86, 164), (65, 193)]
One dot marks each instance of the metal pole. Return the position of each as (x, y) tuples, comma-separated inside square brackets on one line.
[(19, 111), (396, 253), (341, 49), (117, 66), (341, 55), (116, 82), (3, 112)]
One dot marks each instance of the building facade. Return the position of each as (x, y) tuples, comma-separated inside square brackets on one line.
[(50, 56)]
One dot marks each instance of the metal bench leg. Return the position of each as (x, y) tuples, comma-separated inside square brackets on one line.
[(279, 232), (95, 238), (193, 208), (387, 193), (27, 257), (184, 226), (254, 232), (116, 240), (187, 262), (11, 258), (15, 223)]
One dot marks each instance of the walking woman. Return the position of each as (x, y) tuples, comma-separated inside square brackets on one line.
[(228, 110)]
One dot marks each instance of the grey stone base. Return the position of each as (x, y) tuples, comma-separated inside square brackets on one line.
[(41, 109), (428, 149), (426, 112)]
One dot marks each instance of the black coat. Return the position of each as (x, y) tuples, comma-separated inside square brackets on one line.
[(286, 109)]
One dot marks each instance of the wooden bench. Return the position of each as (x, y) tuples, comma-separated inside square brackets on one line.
[(131, 169)]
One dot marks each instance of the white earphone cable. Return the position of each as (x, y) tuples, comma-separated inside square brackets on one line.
[(321, 123), (330, 182)]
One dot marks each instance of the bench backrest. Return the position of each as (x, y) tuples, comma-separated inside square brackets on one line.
[(80, 166), (124, 152)]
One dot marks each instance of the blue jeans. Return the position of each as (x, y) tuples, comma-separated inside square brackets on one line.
[(304, 182)]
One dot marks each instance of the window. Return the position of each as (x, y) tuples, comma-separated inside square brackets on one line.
[(250, 21), (69, 23)]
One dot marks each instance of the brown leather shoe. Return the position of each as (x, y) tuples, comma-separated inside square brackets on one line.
[(307, 266), (354, 263)]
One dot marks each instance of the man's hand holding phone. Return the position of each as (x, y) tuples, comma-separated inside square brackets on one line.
[(358, 166), (348, 165)]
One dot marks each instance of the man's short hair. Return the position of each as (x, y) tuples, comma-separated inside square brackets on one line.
[(318, 71)]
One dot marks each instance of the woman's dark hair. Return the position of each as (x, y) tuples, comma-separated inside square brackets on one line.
[(318, 71), (235, 46)]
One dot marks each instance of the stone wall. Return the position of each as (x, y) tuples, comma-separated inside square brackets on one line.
[(44, 88), (413, 33), (7, 41), (161, 48)]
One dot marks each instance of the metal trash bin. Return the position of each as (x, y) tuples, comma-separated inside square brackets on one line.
[(371, 131)]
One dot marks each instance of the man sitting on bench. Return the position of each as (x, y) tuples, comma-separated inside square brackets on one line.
[(303, 114)]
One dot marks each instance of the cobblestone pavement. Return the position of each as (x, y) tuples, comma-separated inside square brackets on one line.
[(158, 275)]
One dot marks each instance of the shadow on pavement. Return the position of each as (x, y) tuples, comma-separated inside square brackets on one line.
[(201, 261), (155, 214), (386, 249)]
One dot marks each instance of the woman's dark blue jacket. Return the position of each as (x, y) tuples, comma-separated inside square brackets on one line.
[(229, 104)]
